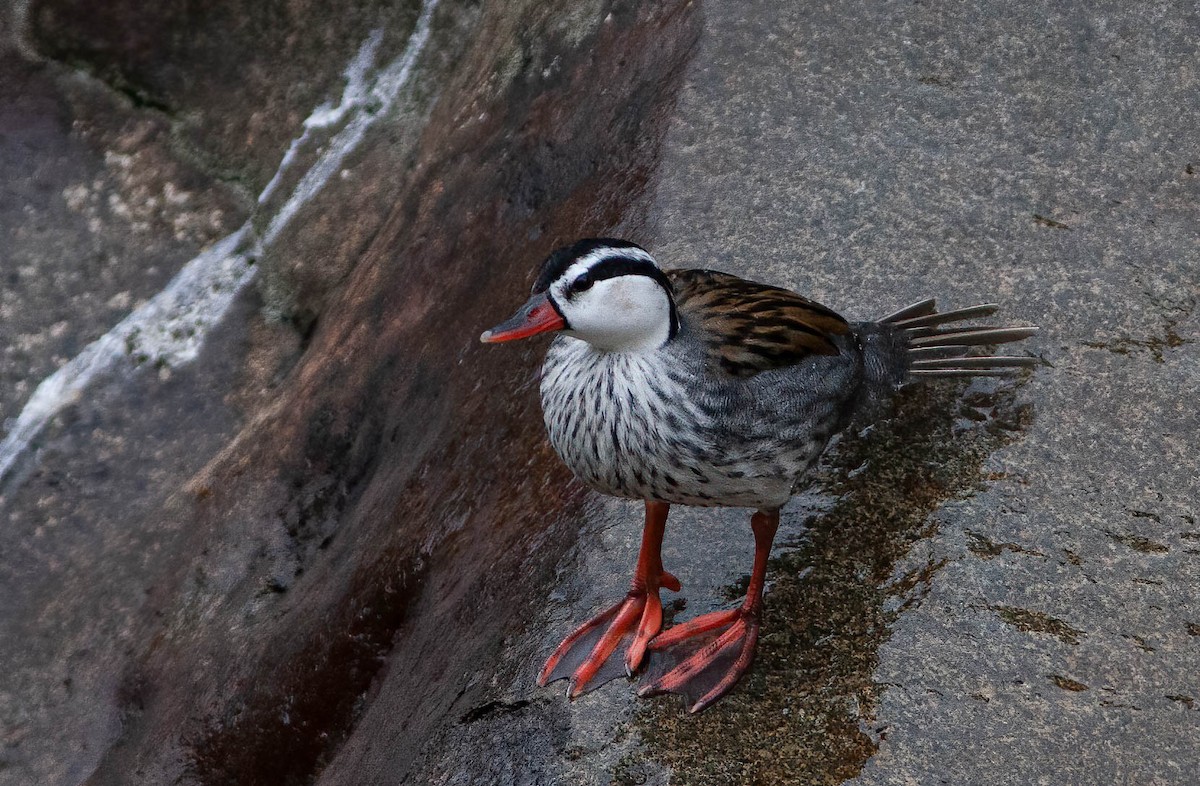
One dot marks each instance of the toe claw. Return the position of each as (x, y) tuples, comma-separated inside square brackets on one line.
[(646, 691)]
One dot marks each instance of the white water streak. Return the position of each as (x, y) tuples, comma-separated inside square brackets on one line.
[(170, 328), (324, 115)]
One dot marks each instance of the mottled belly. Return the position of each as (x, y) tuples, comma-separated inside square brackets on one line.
[(634, 427), (615, 462)]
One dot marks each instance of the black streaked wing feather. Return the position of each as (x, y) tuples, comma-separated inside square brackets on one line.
[(753, 327)]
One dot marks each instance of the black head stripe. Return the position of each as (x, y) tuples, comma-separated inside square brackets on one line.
[(557, 263), (624, 266)]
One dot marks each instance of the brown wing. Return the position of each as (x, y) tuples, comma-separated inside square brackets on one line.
[(753, 327)]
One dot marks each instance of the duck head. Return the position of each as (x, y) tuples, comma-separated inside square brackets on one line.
[(609, 293)]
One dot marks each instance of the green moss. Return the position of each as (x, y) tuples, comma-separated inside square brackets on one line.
[(1156, 345), (1066, 683), (1138, 543), (1029, 621), (985, 548), (799, 715), (630, 771)]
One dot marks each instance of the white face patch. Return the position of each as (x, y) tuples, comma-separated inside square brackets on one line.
[(627, 313)]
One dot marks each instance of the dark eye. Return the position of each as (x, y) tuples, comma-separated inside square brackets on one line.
[(582, 283)]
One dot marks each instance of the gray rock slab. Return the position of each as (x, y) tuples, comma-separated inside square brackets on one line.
[(872, 154)]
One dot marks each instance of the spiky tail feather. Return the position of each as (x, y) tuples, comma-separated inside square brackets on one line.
[(938, 346)]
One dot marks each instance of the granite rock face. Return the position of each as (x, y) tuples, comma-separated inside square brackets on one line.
[(335, 547)]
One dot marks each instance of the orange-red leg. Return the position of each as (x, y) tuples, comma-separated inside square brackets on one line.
[(586, 656), (703, 658)]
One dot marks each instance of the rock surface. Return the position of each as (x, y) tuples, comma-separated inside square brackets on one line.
[(335, 547)]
